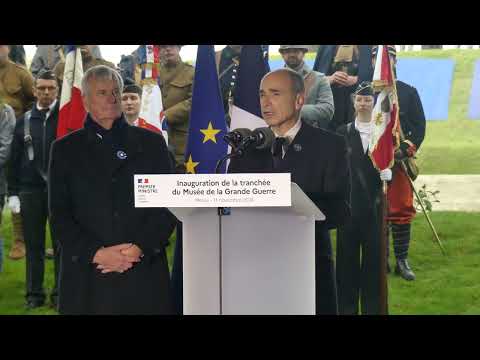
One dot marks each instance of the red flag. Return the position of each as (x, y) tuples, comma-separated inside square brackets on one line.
[(72, 113), (385, 113)]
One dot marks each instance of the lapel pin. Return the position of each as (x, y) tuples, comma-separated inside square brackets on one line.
[(121, 155), (297, 147)]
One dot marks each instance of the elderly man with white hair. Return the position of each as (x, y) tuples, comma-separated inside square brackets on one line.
[(113, 257)]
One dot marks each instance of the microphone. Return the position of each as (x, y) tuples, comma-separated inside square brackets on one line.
[(262, 138), (235, 137)]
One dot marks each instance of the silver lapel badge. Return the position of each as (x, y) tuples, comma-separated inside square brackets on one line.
[(122, 155)]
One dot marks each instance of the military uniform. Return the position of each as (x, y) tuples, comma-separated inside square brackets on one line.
[(16, 89), (401, 209), (176, 84)]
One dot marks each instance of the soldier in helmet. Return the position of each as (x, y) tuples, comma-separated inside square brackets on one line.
[(318, 108), (345, 66), (401, 210)]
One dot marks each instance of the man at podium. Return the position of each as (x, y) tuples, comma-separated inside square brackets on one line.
[(317, 161)]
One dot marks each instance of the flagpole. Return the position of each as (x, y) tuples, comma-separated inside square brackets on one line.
[(383, 252), (420, 201)]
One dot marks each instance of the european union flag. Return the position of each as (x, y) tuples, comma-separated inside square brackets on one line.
[(205, 145)]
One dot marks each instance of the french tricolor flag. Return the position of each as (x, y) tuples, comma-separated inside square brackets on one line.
[(72, 113), (245, 111)]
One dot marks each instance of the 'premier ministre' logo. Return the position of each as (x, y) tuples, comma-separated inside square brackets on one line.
[(144, 186)]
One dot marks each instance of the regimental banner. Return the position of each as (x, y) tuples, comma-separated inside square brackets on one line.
[(212, 190), (151, 116)]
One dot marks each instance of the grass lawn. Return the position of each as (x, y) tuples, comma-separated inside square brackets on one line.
[(444, 285)]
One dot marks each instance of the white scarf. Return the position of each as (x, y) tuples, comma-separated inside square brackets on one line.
[(365, 130)]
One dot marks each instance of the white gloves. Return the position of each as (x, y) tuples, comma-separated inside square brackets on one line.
[(14, 204), (386, 175)]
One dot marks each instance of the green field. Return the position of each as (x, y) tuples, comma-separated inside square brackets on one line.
[(444, 285)]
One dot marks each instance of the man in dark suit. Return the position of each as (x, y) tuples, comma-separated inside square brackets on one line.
[(317, 162), (112, 255)]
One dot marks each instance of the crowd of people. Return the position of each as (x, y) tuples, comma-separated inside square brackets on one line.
[(109, 258)]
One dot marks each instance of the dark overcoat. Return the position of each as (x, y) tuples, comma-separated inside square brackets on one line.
[(91, 204)]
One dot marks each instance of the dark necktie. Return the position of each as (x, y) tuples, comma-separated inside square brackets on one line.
[(44, 112), (277, 153)]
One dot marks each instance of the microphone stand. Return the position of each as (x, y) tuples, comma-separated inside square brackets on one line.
[(236, 152)]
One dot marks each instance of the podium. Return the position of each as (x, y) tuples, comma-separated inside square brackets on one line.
[(252, 261)]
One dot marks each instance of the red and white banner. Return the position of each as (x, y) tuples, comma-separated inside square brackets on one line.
[(152, 116), (385, 113), (72, 113)]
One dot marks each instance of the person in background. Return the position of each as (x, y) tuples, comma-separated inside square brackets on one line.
[(16, 89), (27, 183), (318, 109), (401, 209), (7, 126), (358, 241)]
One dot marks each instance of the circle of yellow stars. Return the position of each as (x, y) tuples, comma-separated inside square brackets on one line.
[(210, 134)]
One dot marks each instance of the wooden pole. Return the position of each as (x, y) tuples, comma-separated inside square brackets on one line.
[(424, 210)]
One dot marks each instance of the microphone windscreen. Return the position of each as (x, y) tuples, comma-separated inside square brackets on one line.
[(244, 132), (266, 137)]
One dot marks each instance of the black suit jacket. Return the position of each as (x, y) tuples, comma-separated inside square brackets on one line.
[(91, 203), (317, 161)]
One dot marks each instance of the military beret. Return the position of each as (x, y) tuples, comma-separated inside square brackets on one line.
[(392, 51), (287, 47), (364, 89), (131, 87)]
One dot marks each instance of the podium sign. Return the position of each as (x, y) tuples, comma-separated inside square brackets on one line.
[(213, 190)]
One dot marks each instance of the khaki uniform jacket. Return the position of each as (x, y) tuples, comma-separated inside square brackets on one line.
[(16, 87), (176, 84)]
